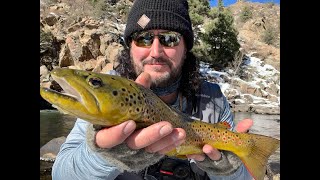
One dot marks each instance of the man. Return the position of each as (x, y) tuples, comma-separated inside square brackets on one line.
[(159, 37)]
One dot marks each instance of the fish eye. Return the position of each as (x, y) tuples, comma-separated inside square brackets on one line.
[(95, 82)]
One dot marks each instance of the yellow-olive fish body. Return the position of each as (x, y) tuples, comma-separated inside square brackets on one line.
[(109, 100)]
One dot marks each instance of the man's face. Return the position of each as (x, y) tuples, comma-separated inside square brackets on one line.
[(161, 62)]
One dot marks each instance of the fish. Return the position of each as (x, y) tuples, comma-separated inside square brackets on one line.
[(108, 100)]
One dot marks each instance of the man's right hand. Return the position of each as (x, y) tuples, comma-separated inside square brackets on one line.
[(160, 137)]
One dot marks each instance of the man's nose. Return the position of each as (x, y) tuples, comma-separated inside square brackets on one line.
[(156, 48)]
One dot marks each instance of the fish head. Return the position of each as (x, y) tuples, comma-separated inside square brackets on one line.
[(101, 99)]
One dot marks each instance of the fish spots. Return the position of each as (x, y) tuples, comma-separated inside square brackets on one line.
[(130, 99), (115, 93)]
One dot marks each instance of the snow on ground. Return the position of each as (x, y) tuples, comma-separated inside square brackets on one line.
[(263, 77)]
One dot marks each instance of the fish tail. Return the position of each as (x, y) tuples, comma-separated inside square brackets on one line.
[(256, 158)]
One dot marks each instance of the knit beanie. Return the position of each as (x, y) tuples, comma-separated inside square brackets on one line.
[(172, 15)]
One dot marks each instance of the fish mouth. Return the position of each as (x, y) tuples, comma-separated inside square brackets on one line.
[(68, 92), (62, 88), (66, 89)]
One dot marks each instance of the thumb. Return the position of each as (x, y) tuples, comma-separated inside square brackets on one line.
[(244, 125), (144, 79)]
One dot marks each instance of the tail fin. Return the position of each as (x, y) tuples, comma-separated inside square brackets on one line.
[(257, 157)]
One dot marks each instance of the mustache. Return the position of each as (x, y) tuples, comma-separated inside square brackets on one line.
[(157, 60)]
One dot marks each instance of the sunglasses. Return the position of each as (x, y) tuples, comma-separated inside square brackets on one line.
[(145, 38)]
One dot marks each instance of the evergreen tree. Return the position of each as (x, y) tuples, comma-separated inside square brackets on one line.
[(198, 9), (219, 41)]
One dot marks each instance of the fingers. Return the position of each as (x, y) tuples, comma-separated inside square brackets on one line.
[(197, 157), (110, 137), (149, 135), (211, 152), (169, 142), (144, 79), (244, 125)]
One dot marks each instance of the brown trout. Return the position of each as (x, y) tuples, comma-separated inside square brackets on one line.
[(109, 100)]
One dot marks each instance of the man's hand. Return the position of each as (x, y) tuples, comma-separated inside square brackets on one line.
[(213, 153), (160, 137)]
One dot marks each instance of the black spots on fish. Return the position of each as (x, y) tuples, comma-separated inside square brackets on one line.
[(127, 99), (138, 110), (131, 97), (123, 89), (95, 82), (237, 136), (115, 93), (113, 78), (121, 104)]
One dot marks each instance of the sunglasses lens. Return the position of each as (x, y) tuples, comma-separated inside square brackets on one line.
[(145, 39), (169, 39)]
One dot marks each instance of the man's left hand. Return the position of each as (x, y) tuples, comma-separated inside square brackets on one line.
[(213, 153)]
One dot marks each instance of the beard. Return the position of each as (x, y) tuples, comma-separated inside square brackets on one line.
[(164, 79)]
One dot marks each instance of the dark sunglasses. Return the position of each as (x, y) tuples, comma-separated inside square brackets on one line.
[(145, 38)]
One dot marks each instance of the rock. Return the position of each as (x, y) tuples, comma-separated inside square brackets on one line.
[(51, 149), (48, 153), (273, 170)]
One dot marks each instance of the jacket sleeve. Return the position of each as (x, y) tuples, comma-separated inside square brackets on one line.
[(80, 158), (76, 160)]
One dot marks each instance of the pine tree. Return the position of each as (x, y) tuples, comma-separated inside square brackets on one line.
[(198, 9), (219, 41)]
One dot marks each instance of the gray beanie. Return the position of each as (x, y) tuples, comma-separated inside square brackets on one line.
[(170, 15)]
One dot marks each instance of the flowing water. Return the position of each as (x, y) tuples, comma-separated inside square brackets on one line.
[(54, 124)]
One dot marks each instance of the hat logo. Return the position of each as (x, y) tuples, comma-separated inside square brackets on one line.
[(143, 21)]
